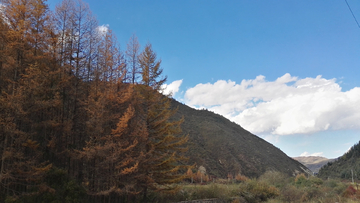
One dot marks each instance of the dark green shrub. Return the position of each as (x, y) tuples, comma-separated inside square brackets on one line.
[(315, 181), (331, 183), (58, 188), (65, 188)]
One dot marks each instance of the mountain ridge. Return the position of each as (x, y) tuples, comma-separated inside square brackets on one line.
[(314, 163), (224, 147)]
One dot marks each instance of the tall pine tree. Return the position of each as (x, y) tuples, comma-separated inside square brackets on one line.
[(163, 146)]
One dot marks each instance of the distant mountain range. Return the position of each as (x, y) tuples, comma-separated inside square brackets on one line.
[(223, 147), (314, 163)]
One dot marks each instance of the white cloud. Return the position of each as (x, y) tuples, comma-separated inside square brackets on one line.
[(271, 138), (172, 88), (313, 154), (288, 105), (103, 29)]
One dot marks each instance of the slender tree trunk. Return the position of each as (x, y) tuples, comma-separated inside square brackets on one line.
[(3, 158), (145, 195)]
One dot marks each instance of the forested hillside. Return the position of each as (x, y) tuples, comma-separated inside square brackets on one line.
[(345, 167), (79, 118)]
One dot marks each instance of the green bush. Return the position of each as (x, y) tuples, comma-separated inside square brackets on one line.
[(257, 191), (331, 183), (302, 181), (334, 187), (274, 178), (315, 181)]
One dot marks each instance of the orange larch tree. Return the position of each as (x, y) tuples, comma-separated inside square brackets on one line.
[(76, 29), (22, 123), (67, 100), (109, 156), (163, 146), (132, 55)]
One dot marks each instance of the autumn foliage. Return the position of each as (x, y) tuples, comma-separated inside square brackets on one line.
[(71, 101)]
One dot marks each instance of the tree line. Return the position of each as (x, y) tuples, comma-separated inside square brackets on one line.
[(346, 167), (72, 100)]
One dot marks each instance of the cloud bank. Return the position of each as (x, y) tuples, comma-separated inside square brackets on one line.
[(288, 105)]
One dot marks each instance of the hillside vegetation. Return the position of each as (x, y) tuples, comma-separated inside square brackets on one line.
[(225, 148), (83, 121), (78, 122), (345, 167), (271, 187)]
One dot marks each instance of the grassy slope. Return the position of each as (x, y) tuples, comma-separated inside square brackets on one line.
[(223, 147)]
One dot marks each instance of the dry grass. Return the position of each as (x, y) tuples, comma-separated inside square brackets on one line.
[(271, 187)]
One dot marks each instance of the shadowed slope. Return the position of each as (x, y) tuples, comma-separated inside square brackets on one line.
[(224, 147)]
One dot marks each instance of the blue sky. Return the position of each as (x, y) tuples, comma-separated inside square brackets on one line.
[(288, 71)]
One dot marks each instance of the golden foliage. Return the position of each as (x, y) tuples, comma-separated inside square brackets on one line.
[(65, 102), (240, 177)]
